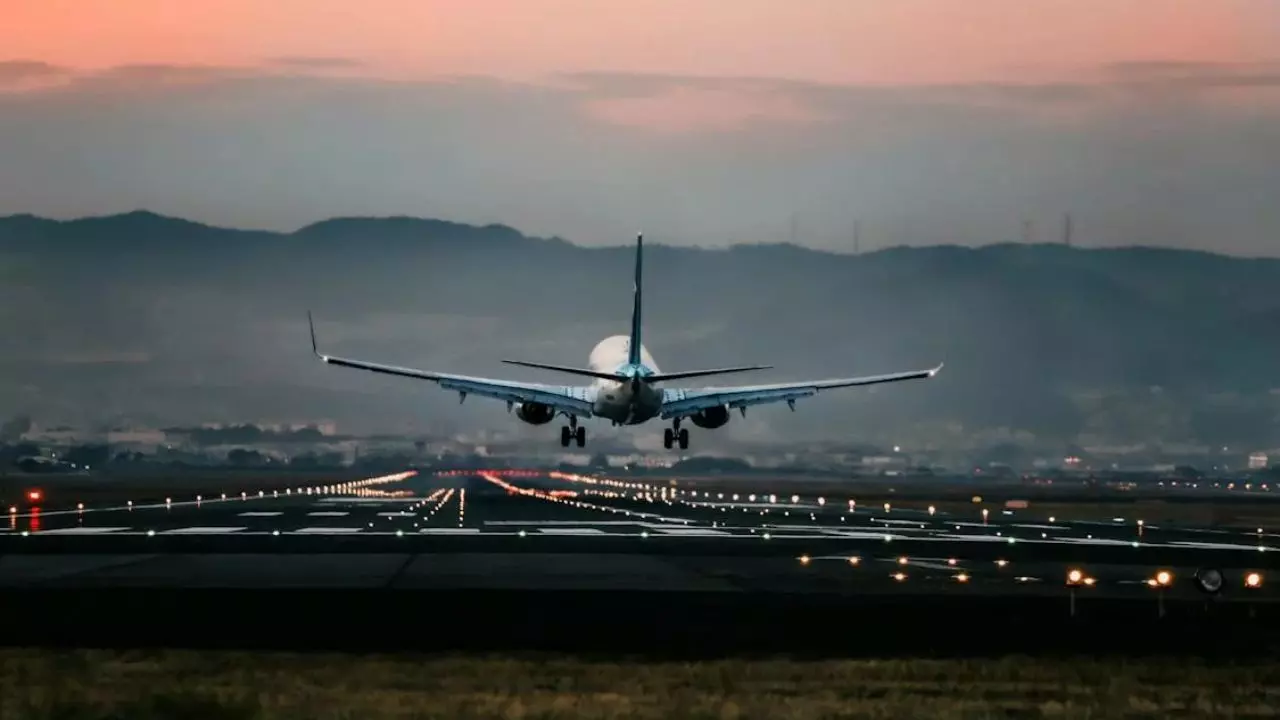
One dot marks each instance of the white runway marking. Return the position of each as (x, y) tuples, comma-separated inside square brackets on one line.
[(202, 530), (576, 523), (915, 523), (260, 514), (327, 530), (1216, 546), (1095, 541), (864, 535), (328, 514), (396, 514), (82, 531), (974, 538), (451, 531), (690, 531), (571, 531)]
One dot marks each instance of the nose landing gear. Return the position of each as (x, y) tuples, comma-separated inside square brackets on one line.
[(573, 432)]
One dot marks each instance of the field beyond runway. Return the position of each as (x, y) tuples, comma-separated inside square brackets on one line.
[(98, 684)]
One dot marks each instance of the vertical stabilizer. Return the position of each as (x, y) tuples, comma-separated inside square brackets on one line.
[(633, 347)]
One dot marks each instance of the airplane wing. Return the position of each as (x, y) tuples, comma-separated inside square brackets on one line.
[(571, 399), (682, 402)]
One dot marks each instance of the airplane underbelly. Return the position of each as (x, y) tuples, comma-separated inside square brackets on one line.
[(617, 403)]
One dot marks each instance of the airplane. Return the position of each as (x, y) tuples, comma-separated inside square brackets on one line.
[(625, 386)]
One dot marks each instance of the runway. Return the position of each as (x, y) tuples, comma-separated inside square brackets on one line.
[(545, 561), (542, 531)]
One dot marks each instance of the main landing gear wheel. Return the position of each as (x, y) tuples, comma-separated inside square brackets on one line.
[(573, 434), (672, 436)]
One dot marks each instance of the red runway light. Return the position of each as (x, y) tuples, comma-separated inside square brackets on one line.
[(34, 495)]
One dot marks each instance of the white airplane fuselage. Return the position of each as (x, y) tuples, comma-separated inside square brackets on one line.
[(623, 402)]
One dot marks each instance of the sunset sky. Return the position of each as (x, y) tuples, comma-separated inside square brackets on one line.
[(701, 121)]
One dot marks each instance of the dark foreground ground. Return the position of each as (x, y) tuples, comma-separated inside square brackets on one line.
[(177, 684)]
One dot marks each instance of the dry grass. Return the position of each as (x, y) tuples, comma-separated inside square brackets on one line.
[(207, 685)]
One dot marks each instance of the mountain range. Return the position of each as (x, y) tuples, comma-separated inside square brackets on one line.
[(144, 319)]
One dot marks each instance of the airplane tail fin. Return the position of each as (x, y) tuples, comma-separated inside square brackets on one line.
[(633, 347)]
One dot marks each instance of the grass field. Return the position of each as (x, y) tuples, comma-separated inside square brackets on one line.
[(148, 685)]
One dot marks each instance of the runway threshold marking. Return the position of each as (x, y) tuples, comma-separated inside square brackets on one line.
[(326, 530), (690, 531), (260, 514), (451, 531), (571, 531), (203, 530), (329, 513)]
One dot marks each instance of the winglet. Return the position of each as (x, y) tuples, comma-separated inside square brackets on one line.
[(314, 349), (936, 370)]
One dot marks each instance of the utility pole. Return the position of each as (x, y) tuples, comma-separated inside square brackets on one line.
[(1066, 230), (857, 237), (1026, 231)]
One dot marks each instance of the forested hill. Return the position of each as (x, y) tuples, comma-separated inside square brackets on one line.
[(143, 318)]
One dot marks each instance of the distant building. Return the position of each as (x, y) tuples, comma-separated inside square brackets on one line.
[(1258, 461)]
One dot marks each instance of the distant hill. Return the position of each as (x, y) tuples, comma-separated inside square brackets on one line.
[(154, 319)]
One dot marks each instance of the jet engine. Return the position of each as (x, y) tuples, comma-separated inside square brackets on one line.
[(535, 413), (711, 418)]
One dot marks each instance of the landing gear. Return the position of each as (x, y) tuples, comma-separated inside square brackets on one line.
[(573, 433), (675, 435)]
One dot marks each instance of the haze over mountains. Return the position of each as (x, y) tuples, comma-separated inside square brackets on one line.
[(139, 318)]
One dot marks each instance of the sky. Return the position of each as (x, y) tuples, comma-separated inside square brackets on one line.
[(698, 121)]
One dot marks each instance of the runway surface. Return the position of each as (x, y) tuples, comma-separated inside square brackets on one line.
[(523, 531)]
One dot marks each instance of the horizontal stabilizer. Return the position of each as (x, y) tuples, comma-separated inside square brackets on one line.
[(686, 374), (566, 369), (658, 377)]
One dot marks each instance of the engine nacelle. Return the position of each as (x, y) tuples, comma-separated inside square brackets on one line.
[(711, 418), (535, 413)]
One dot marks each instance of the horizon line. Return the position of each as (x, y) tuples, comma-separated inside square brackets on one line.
[(705, 248)]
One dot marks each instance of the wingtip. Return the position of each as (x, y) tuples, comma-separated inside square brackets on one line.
[(936, 370)]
